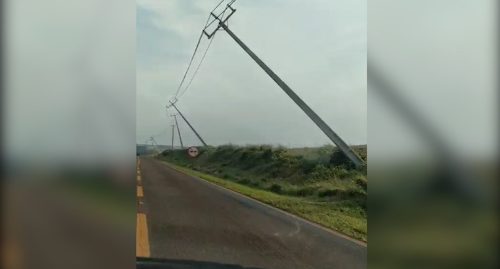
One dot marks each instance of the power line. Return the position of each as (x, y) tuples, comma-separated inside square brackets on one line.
[(194, 53), (148, 138), (221, 15), (196, 71), (177, 95), (220, 4), (190, 63)]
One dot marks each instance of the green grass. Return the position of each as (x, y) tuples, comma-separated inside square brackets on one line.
[(341, 216), (305, 172)]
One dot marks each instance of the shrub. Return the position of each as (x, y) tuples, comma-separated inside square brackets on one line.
[(244, 156), (267, 154), (328, 193), (308, 166), (255, 184), (355, 194), (362, 182), (321, 172), (301, 191), (243, 181), (338, 158), (341, 172), (304, 191), (275, 188)]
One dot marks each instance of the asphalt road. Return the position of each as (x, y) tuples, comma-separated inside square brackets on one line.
[(190, 219)]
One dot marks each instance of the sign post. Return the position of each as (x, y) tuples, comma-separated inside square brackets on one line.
[(193, 152)]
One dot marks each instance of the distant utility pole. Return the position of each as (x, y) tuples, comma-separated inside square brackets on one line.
[(178, 130), (189, 124), (154, 144), (358, 162), (173, 133)]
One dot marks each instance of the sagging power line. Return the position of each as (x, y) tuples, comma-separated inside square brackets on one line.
[(178, 92), (195, 71)]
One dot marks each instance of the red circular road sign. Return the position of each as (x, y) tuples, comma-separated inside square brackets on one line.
[(193, 152)]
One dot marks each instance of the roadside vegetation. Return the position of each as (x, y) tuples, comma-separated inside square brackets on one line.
[(318, 184)]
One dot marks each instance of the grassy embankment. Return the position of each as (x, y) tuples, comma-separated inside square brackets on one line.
[(314, 183)]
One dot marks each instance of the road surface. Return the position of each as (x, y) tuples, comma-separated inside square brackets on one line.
[(189, 219)]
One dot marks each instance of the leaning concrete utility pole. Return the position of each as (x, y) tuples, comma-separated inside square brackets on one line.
[(189, 124), (178, 130), (173, 133), (358, 162)]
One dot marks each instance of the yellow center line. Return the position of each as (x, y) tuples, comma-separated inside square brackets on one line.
[(141, 233), (142, 237)]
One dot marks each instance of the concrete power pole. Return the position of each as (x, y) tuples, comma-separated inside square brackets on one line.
[(189, 124), (154, 144), (358, 162), (178, 130), (173, 133)]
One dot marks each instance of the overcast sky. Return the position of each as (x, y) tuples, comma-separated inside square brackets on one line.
[(317, 47)]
